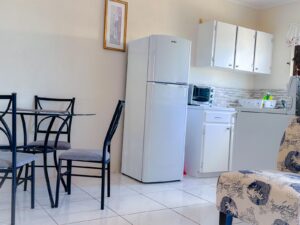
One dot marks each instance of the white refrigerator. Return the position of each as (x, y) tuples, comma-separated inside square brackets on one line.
[(156, 108)]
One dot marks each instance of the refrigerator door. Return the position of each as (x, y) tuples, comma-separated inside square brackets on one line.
[(169, 59), (165, 127)]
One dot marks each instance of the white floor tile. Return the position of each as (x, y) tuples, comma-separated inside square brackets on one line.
[(115, 191), (206, 192), (206, 214), (192, 182), (162, 217), (76, 195), (132, 204), (70, 212), (107, 221), (150, 188), (23, 200), (175, 198), (68, 207), (27, 217), (191, 201), (83, 216)]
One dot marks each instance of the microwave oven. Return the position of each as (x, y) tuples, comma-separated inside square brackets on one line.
[(200, 95)]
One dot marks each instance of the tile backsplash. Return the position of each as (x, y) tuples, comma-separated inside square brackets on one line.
[(228, 97)]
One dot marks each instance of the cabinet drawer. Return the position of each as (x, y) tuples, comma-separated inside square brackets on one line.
[(218, 117)]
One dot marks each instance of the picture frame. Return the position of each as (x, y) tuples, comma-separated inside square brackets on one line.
[(115, 25)]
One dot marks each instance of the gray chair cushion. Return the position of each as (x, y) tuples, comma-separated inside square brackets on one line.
[(61, 145), (86, 155), (22, 159)]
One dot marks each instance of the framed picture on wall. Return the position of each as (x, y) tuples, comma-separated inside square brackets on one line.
[(115, 25)]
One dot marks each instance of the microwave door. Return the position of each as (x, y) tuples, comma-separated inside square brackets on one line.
[(201, 95), (201, 98)]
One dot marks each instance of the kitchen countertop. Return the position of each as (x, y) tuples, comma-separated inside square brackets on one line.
[(213, 108), (263, 110)]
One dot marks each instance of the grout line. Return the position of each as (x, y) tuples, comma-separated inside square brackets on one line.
[(185, 216), (50, 216), (126, 220), (153, 210), (95, 198)]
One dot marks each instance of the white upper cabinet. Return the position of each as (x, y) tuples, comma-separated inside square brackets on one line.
[(225, 35), (227, 46), (216, 44), (245, 47), (263, 53)]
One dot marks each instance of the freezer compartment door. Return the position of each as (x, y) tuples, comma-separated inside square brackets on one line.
[(165, 128), (169, 59)]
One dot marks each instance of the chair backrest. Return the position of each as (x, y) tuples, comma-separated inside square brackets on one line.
[(9, 103), (289, 153), (113, 126), (61, 104)]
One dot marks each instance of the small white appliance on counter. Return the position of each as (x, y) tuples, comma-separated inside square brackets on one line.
[(209, 140), (156, 108)]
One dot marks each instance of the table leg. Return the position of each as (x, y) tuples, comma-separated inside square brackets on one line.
[(19, 174), (26, 175), (24, 144), (48, 180)]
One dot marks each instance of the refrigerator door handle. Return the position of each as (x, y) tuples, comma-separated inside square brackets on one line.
[(153, 67), (170, 84)]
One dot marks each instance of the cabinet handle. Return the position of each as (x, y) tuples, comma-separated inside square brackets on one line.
[(256, 68), (237, 66), (228, 128), (230, 65)]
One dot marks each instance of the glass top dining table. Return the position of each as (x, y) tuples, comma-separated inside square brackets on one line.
[(52, 116)]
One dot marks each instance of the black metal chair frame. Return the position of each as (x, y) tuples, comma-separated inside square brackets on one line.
[(105, 163), (225, 219), (45, 149), (12, 140), (66, 122), (37, 122)]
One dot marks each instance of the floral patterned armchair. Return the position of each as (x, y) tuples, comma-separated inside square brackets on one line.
[(265, 197)]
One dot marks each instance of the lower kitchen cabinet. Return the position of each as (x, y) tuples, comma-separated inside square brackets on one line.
[(216, 147), (258, 133), (208, 140)]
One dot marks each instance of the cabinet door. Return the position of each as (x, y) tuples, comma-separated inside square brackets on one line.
[(225, 38), (216, 147), (263, 53), (245, 46)]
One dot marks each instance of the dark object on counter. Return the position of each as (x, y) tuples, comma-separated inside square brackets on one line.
[(296, 59), (283, 102)]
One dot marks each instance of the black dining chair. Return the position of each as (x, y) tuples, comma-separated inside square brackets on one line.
[(10, 160), (42, 103), (41, 125), (92, 156)]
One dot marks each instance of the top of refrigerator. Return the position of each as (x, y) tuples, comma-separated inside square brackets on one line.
[(168, 58)]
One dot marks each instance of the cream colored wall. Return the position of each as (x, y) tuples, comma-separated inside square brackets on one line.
[(178, 17), (277, 21), (54, 48)]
